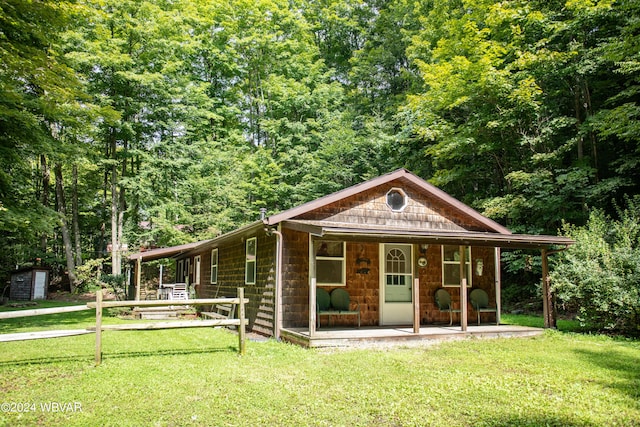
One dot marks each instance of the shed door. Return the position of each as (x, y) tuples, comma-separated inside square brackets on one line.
[(39, 284), (395, 284)]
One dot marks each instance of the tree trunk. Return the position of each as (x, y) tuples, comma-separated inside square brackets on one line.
[(66, 239), (115, 243), (75, 216), (46, 181)]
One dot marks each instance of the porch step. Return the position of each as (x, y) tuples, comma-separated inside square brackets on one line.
[(381, 336), (159, 313)]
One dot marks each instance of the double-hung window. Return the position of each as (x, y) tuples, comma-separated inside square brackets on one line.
[(251, 247), (451, 265), (180, 271), (196, 270), (330, 263), (214, 266)]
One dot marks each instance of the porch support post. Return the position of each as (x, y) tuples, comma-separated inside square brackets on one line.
[(312, 307), (498, 283), (416, 306), (547, 301), (138, 277), (312, 289), (463, 289)]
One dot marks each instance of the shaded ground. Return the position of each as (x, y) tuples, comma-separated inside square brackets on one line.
[(83, 297)]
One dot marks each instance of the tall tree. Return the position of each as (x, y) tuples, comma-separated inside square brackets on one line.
[(511, 89), (37, 89)]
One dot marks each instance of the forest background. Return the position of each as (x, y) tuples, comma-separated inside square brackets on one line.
[(128, 124)]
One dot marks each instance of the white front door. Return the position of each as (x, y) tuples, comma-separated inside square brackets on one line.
[(396, 271)]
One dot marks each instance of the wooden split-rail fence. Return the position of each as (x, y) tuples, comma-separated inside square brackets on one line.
[(241, 322)]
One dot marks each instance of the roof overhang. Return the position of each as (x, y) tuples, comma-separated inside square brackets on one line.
[(195, 247), (467, 238), (171, 252)]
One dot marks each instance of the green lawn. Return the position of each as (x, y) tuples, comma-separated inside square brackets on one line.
[(195, 377)]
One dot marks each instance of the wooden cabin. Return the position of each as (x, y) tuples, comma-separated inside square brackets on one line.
[(390, 243)]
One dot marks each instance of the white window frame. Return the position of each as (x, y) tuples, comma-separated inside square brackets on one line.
[(180, 271), (405, 199), (250, 261), (331, 258), (452, 264), (197, 261), (214, 266)]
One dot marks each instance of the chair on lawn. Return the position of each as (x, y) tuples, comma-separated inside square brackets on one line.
[(480, 303), (443, 301)]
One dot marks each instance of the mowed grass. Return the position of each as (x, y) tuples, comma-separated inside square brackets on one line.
[(195, 377)]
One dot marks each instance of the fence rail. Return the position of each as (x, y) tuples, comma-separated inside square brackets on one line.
[(42, 311), (241, 322)]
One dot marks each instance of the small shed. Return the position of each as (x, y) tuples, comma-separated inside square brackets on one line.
[(29, 283)]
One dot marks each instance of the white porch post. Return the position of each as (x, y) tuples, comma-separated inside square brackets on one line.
[(498, 283), (138, 277), (312, 307), (463, 288), (312, 289)]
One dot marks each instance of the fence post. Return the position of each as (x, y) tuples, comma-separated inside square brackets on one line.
[(241, 330), (98, 327)]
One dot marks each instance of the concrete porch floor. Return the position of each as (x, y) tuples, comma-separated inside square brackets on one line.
[(399, 336)]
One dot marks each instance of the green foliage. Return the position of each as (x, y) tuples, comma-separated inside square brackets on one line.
[(202, 112), (582, 380), (601, 272), (89, 275)]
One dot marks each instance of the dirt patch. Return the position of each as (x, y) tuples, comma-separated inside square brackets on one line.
[(82, 297)]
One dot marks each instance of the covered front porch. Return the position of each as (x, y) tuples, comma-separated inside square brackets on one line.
[(399, 336), (437, 262)]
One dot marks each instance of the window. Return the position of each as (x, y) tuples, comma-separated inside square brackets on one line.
[(330, 263), (250, 262), (196, 270), (396, 199), (180, 272), (451, 265), (214, 266)]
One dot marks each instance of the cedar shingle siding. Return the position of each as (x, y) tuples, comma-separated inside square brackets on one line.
[(370, 208), (231, 275)]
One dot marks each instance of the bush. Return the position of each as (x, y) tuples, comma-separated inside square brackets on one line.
[(601, 272), (116, 283), (88, 275)]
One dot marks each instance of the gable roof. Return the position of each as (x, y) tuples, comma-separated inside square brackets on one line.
[(400, 174), (497, 235)]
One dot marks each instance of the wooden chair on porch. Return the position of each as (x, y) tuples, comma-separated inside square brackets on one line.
[(180, 292), (443, 301), (480, 303)]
